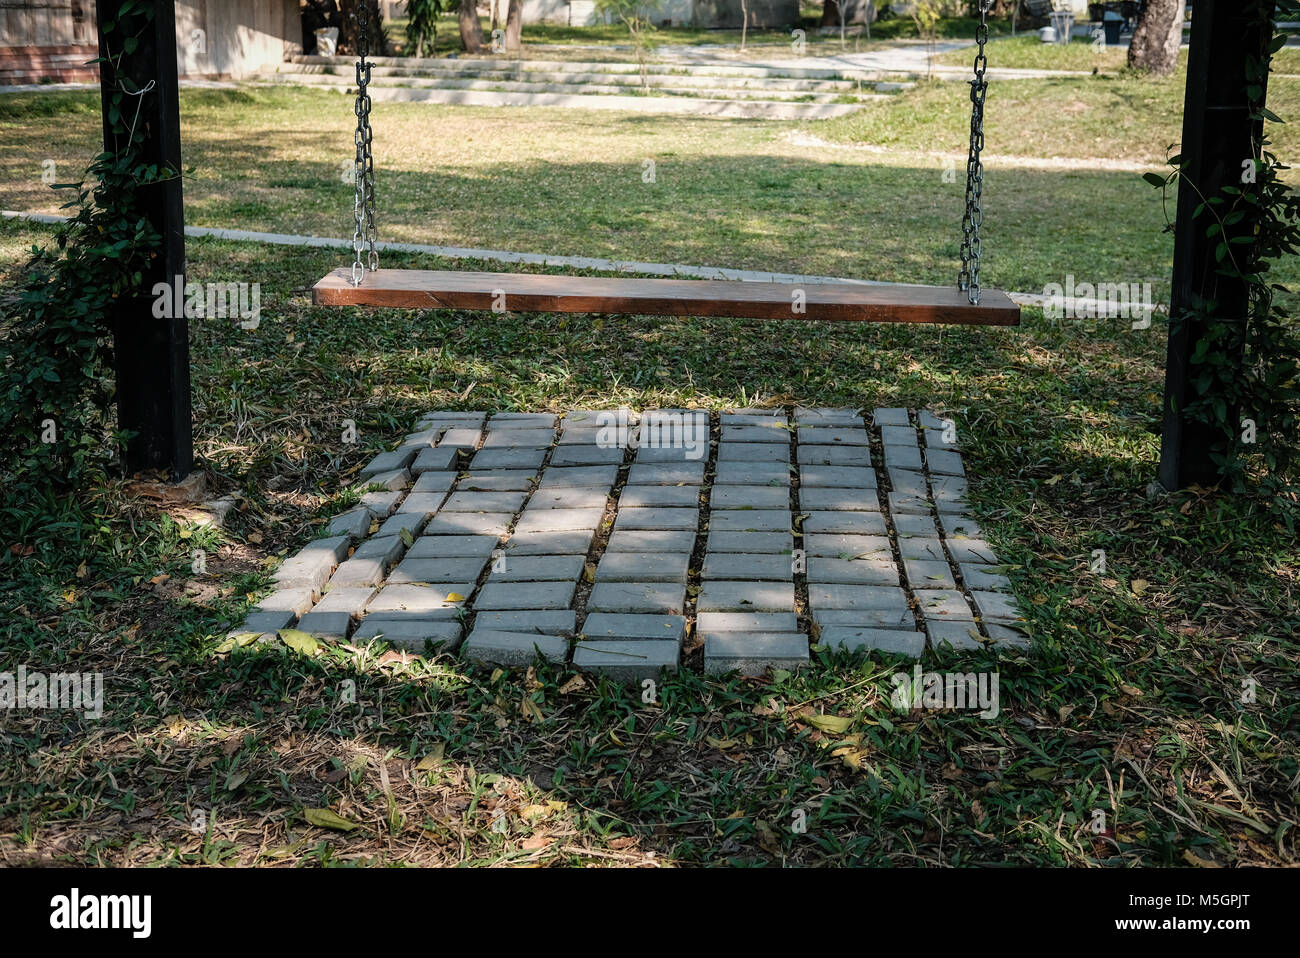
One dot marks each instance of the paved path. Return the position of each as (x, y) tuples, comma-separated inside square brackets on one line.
[(626, 544)]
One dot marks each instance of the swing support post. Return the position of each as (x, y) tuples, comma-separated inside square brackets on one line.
[(1219, 138), (151, 356)]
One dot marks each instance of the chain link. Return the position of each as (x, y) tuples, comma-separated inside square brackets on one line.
[(969, 278), (363, 207)]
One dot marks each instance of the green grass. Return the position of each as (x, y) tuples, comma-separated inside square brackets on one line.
[(617, 34), (1125, 118), (758, 195), (1128, 702), (613, 34), (1029, 53)]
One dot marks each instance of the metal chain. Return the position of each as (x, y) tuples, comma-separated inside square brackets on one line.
[(969, 278), (363, 208)]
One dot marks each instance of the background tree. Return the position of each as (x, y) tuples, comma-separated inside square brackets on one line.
[(347, 24), (926, 14), (423, 24), (1158, 36), (514, 26), (638, 24), (471, 31)]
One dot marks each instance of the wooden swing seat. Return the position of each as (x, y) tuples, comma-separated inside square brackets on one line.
[(532, 292)]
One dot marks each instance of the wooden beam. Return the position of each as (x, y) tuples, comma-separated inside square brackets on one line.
[(151, 355), (533, 292), (1218, 137)]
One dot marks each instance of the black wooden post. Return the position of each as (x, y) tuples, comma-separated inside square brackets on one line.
[(1218, 138), (152, 355)]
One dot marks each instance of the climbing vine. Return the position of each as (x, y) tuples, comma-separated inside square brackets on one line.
[(56, 389)]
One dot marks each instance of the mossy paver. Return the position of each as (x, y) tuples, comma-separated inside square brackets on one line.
[(492, 647), (354, 524), (783, 522), (834, 455), (448, 570), (739, 596), (643, 567), (433, 460), (628, 660), (549, 621), (552, 568), (770, 542), (753, 566), (897, 641), (753, 653), (656, 597), (749, 497), (433, 482), (525, 595), (410, 634), (613, 625), (657, 497), (650, 540), (451, 547)]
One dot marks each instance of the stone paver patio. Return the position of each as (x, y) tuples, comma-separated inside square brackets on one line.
[(618, 542)]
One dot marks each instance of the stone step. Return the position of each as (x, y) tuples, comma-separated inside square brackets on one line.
[(671, 80), (627, 90), (427, 67), (730, 109)]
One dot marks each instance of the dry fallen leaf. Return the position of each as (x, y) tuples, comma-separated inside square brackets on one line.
[(529, 710), (324, 818), (575, 683), (433, 759), (299, 641), (837, 724)]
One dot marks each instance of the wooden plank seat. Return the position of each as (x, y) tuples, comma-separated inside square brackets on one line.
[(532, 292)]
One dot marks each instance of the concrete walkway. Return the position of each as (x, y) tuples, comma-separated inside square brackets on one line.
[(623, 544)]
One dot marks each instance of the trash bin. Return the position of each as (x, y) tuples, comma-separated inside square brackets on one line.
[(1113, 24), (1047, 35), (1062, 23), (327, 41)]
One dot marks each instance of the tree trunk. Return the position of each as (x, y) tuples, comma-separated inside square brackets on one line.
[(514, 26), (1157, 38), (830, 14), (471, 31), (348, 32)]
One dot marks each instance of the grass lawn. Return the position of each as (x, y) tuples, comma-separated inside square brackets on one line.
[(1030, 53), (771, 40), (792, 197), (1129, 702)]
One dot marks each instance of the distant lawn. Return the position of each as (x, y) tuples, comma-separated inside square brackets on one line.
[(1027, 52), (617, 34), (1117, 117), (754, 194)]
